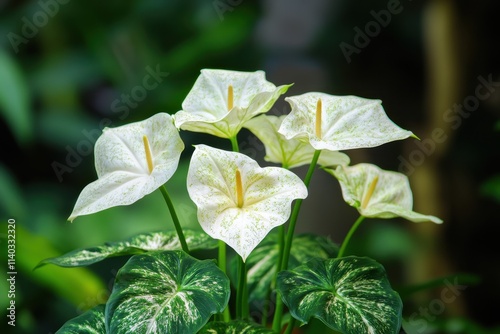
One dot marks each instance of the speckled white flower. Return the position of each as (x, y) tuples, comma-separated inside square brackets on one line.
[(378, 193), (338, 123), (131, 161), (289, 152), (238, 201), (221, 101)]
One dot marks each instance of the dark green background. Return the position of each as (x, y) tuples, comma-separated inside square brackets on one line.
[(62, 82)]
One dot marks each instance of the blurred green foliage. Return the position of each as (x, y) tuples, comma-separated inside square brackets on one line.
[(63, 80)]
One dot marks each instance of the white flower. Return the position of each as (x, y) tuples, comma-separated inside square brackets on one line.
[(289, 152), (238, 201), (378, 193), (338, 123), (221, 101), (131, 161)]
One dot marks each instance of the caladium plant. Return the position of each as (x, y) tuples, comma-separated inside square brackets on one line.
[(164, 288)]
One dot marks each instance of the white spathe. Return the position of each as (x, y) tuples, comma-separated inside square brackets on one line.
[(206, 108), (347, 122), (377, 193), (267, 194), (123, 175), (290, 153)]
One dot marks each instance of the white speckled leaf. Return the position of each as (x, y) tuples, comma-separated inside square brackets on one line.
[(267, 196), (90, 322), (234, 327), (392, 196), (261, 264), (290, 153), (348, 122), (205, 108), (121, 165), (351, 295), (137, 244), (165, 292)]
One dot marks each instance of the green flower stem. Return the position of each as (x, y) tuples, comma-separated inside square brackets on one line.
[(175, 219), (291, 325), (223, 265), (234, 144), (349, 235), (242, 292), (288, 241), (295, 214)]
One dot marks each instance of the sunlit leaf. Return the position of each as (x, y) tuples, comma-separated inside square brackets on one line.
[(90, 322), (349, 294), (233, 327), (84, 284), (165, 292), (138, 244)]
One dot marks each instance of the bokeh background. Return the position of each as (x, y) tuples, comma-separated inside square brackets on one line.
[(68, 68)]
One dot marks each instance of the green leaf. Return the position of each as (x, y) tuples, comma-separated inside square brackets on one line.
[(235, 326), (166, 292), (14, 99), (261, 263), (135, 245), (349, 294), (90, 322)]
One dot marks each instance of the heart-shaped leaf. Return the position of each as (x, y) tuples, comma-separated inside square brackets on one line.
[(90, 322), (350, 294), (261, 263), (165, 292), (135, 245), (235, 326)]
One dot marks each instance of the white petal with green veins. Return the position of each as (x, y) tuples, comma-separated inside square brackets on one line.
[(347, 122), (122, 164), (391, 197), (267, 196), (289, 152), (205, 108)]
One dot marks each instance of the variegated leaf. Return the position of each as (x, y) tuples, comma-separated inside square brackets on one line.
[(90, 322), (235, 326), (350, 294), (261, 263), (165, 292), (138, 244)]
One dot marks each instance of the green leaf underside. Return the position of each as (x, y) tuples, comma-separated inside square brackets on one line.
[(165, 292), (233, 327), (350, 295), (137, 244), (90, 322), (262, 261)]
